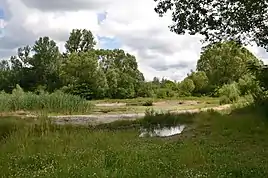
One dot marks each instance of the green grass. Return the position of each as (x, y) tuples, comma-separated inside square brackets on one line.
[(213, 145), (140, 101), (57, 102), (138, 105)]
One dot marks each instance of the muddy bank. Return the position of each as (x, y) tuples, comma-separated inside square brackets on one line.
[(107, 118)]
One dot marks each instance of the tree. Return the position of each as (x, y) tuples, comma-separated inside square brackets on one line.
[(112, 76), (125, 71), (238, 20), (225, 63), (186, 87), (45, 63), (80, 41), (83, 75), (200, 80), (5, 76), (18, 73)]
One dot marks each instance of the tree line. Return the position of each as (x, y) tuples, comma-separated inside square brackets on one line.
[(101, 73)]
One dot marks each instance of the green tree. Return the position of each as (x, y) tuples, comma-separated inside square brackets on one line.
[(229, 93), (186, 87), (80, 41), (146, 90), (112, 76), (247, 84), (200, 80), (45, 63), (5, 76), (225, 62), (129, 78), (83, 75), (219, 20)]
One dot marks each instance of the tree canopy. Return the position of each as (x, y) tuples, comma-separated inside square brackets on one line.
[(221, 20), (225, 62), (101, 73)]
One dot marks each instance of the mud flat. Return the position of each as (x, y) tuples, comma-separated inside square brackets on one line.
[(108, 118)]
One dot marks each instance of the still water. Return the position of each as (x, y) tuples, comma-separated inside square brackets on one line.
[(162, 132)]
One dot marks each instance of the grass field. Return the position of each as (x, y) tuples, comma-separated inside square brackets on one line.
[(61, 104), (213, 145), (137, 106)]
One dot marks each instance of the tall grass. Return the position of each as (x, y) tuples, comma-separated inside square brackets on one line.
[(217, 145), (57, 102)]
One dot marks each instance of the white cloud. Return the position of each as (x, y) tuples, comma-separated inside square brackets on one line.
[(134, 23)]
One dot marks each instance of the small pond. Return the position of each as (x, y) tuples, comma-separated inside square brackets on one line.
[(162, 132)]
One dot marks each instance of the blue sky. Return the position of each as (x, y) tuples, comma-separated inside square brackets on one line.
[(2, 25), (2, 15), (101, 17), (107, 42)]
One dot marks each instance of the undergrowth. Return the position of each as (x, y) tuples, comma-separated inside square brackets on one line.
[(57, 102)]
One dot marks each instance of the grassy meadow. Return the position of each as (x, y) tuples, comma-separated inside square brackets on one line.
[(59, 103), (212, 145)]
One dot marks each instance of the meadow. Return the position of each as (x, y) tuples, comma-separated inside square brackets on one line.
[(212, 145)]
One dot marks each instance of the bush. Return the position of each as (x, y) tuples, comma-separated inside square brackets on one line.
[(225, 100), (229, 93), (148, 103), (247, 84), (58, 102), (154, 119), (186, 87), (161, 93)]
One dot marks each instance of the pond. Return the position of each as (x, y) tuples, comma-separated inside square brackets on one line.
[(162, 132)]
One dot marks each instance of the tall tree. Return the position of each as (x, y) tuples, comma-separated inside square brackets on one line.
[(80, 41), (201, 81), (83, 75), (225, 62), (240, 20), (45, 63), (5, 76), (125, 66)]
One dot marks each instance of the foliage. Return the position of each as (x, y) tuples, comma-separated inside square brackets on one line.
[(186, 87), (247, 84), (229, 93), (225, 62), (242, 21), (260, 92), (200, 80), (83, 76), (101, 73), (80, 41), (148, 103), (56, 102)]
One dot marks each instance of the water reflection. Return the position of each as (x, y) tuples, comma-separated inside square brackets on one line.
[(162, 132)]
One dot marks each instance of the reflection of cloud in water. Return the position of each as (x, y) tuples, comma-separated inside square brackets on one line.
[(163, 132)]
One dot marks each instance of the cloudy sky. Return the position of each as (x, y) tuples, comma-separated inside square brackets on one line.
[(131, 25)]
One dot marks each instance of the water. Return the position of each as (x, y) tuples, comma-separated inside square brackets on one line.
[(162, 132)]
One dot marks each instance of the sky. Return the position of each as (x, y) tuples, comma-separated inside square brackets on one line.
[(131, 25)]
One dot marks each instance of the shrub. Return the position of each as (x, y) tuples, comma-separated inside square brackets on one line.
[(57, 102), (225, 100), (154, 119), (247, 84), (148, 103), (186, 87), (229, 93)]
